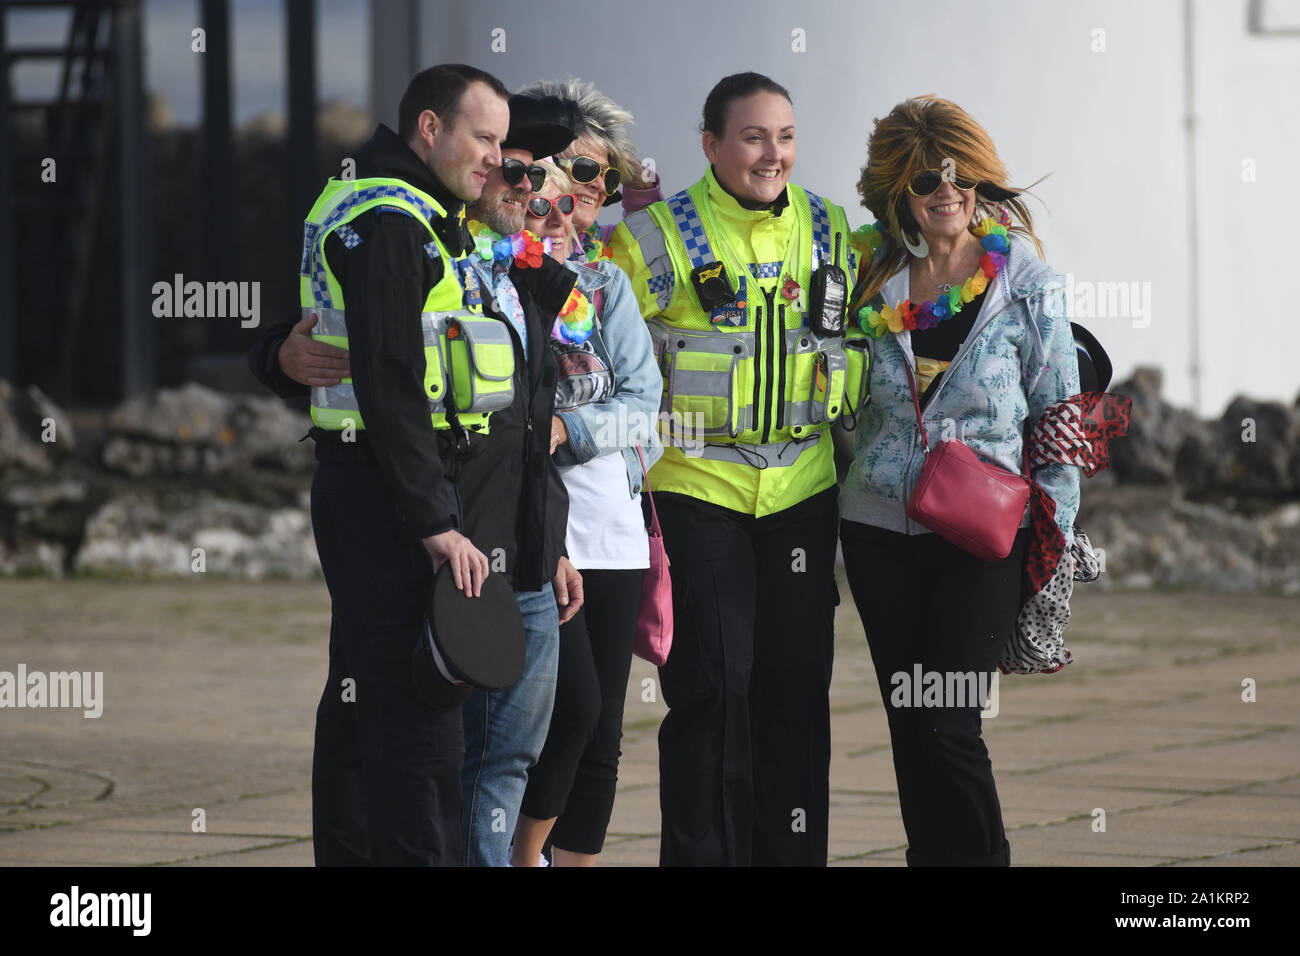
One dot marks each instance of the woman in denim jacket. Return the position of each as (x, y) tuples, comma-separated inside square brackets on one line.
[(606, 401), (993, 353)]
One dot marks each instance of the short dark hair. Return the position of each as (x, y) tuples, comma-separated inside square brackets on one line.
[(439, 88), (735, 87)]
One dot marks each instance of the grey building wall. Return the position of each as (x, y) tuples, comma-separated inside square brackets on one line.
[(1090, 95)]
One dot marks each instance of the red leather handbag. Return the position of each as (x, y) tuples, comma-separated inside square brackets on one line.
[(973, 504), (654, 626)]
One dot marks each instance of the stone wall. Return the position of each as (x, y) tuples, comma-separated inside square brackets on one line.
[(1186, 503)]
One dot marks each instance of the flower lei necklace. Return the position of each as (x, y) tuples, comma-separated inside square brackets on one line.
[(592, 246), (876, 318), (573, 325), (524, 247)]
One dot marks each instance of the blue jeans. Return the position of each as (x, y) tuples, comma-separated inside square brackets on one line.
[(504, 734)]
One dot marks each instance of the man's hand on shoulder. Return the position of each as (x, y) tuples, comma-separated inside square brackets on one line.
[(309, 362)]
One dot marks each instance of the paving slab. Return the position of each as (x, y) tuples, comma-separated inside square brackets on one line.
[(210, 689)]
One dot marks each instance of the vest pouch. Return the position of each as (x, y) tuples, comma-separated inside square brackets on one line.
[(830, 382), (434, 327), (480, 360), (858, 360), (816, 394), (706, 375)]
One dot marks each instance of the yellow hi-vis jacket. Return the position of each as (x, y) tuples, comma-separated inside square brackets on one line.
[(750, 390), (469, 360)]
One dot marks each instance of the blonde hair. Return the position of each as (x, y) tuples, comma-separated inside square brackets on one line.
[(601, 119), (921, 133), (560, 179)]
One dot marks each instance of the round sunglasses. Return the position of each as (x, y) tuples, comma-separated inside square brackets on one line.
[(928, 181), (513, 172), (584, 169), (541, 208)]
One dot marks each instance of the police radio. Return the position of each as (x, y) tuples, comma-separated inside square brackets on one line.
[(827, 297)]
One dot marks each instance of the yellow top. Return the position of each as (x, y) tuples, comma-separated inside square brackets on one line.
[(750, 236)]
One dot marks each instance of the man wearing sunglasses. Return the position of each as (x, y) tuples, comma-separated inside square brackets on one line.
[(511, 490)]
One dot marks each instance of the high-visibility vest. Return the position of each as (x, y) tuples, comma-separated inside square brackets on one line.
[(759, 384), (469, 360)]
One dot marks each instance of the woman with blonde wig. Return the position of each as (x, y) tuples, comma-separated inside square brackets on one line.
[(961, 312), (602, 163), (607, 375)]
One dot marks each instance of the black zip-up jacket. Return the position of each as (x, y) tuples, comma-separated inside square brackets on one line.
[(510, 493)]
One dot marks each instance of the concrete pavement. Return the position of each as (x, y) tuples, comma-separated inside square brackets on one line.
[(201, 712)]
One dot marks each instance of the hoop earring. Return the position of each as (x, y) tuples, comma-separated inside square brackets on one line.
[(920, 248)]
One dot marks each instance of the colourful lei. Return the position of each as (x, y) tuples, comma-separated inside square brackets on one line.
[(524, 247), (592, 246), (876, 318), (573, 325)]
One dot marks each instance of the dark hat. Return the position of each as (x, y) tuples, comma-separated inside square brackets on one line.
[(1094, 364), (468, 642), (543, 125)]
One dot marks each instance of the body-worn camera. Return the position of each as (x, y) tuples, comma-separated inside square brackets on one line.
[(712, 285)]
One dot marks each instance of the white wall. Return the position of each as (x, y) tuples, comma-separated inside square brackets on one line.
[(1107, 125)]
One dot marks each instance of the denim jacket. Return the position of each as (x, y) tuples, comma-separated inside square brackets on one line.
[(622, 342), (1018, 358)]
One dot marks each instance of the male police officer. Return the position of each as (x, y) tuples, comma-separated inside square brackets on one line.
[(514, 507), (378, 254)]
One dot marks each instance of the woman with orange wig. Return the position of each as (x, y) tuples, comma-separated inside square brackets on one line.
[(968, 336)]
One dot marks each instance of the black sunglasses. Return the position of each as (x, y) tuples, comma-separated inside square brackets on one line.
[(928, 181), (541, 208), (514, 170), (584, 169)]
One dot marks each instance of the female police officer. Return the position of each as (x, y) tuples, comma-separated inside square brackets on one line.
[(742, 280)]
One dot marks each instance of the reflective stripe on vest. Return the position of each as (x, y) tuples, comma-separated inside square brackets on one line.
[(654, 251), (707, 384), (777, 454), (467, 357), (690, 227), (475, 366), (709, 373)]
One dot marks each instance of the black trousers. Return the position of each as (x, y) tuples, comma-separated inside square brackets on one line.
[(576, 776), (386, 768), (744, 752), (926, 602)]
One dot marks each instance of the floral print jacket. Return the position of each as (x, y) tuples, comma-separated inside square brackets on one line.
[(1018, 359)]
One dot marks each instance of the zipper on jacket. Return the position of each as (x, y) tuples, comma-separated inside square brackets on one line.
[(965, 348), (757, 424), (917, 438), (781, 364), (766, 370)]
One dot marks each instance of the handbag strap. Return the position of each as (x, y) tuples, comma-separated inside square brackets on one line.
[(916, 404), (645, 483)]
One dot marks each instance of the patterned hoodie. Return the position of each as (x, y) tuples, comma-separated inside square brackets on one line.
[(1018, 359)]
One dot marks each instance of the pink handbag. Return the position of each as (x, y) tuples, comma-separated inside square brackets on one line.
[(969, 502), (654, 627)]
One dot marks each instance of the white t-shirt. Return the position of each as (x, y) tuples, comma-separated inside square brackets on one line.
[(606, 531)]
